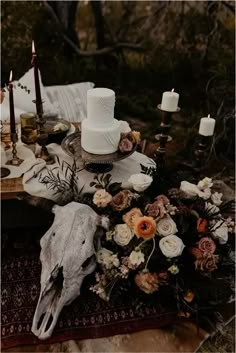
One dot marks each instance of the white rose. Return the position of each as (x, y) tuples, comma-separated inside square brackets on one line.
[(189, 189), (122, 234), (211, 209), (205, 183), (220, 232), (140, 182), (205, 194), (136, 258), (107, 258), (216, 198), (102, 198), (166, 226), (171, 246)]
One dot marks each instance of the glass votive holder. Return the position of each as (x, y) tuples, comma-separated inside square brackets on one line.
[(29, 129)]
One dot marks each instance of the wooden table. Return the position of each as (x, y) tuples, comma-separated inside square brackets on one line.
[(12, 187)]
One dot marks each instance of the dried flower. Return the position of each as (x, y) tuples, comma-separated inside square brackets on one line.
[(189, 296), (202, 225), (101, 198), (207, 262), (125, 145), (211, 209), (166, 226), (136, 258), (216, 198), (145, 227), (189, 189), (174, 270), (130, 217), (147, 282), (136, 136), (205, 183), (107, 258), (155, 209), (162, 199), (220, 232), (121, 200), (171, 246), (122, 234), (207, 245)]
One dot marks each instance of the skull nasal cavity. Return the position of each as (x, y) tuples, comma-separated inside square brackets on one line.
[(88, 261), (58, 278)]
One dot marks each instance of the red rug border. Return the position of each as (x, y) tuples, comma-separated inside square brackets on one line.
[(99, 332)]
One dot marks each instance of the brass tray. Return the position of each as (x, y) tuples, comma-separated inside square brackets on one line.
[(93, 162)]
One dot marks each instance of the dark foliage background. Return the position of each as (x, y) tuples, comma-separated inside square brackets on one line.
[(188, 45)]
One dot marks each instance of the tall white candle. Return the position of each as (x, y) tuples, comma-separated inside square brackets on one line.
[(170, 101), (207, 126)]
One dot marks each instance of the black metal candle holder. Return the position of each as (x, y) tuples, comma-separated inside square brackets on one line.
[(42, 135), (16, 161), (201, 151), (163, 138)]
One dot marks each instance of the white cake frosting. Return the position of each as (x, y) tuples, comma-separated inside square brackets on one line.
[(100, 132)]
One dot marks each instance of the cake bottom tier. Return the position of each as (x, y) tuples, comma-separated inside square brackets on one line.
[(100, 141)]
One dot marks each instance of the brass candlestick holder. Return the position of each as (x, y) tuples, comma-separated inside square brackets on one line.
[(42, 135), (164, 136), (16, 161)]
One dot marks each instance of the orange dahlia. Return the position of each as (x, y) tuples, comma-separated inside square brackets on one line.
[(145, 227)]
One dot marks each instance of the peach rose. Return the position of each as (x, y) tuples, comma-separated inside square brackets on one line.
[(121, 200), (147, 282), (145, 227), (101, 198), (207, 262), (136, 136), (130, 217)]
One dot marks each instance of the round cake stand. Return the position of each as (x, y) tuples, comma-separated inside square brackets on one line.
[(93, 163)]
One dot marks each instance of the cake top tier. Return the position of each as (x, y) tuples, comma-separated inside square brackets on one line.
[(100, 107)]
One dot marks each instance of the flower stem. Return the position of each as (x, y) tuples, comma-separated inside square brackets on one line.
[(149, 257)]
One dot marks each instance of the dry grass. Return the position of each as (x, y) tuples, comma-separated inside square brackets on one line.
[(221, 342)]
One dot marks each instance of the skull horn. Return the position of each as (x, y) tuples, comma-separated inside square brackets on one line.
[(36, 201)]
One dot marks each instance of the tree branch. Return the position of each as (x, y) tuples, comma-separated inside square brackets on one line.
[(86, 53)]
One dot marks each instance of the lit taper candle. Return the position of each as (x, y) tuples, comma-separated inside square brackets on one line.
[(39, 105)]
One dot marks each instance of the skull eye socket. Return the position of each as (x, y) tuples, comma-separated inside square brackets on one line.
[(88, 261)]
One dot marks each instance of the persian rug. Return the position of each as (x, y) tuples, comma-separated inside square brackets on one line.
[(87, 317)]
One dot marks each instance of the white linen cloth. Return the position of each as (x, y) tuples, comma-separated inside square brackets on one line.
[(121, 172), (69, 102)]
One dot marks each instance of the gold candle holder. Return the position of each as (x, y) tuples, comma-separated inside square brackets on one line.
[(16, 161)]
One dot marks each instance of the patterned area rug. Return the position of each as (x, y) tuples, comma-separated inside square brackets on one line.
[(86, 317)]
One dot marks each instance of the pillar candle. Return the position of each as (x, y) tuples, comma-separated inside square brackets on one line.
[(207, 126), (11, 106), (170, 101), (36, 81)]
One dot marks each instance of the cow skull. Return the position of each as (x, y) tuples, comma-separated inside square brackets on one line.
[(67, 257)]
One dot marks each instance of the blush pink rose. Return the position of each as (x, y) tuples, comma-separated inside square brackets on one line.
[(207, 245), (125, 145)]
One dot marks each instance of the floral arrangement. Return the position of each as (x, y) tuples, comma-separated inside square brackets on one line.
[(175, 249), (176, 244), (128, 140)]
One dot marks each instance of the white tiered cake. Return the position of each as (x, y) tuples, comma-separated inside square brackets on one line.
[(100, 132)]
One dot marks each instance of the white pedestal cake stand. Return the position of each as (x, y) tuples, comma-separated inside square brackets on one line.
[(94, 163)]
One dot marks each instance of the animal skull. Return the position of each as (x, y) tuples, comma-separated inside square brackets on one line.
[(67, 257)]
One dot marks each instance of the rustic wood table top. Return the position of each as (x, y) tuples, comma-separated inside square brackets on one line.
[(13, 187)]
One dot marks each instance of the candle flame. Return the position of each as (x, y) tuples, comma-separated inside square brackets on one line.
[(10, 78), (172, 90), (33, 47), (208, 116)]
